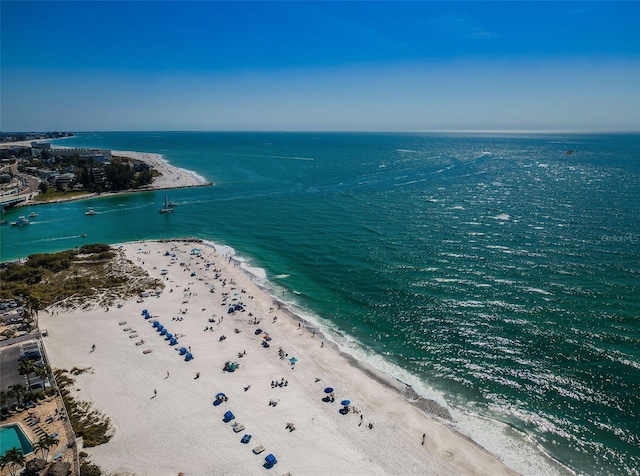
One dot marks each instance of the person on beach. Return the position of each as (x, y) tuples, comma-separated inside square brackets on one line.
[(167, 375), (155, 393), (93, 348), (197, 376), (423, 437)]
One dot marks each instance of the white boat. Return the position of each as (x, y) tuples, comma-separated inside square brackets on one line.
[(91, 211), (166, 208), (171, 203), (33, 215), (21, 221)]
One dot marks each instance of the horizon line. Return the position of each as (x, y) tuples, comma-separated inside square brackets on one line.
[(361, 131)]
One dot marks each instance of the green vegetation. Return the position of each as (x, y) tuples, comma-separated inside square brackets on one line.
[(74, 276), (87, 468), (13, 459), (51, 194), (94, 427)]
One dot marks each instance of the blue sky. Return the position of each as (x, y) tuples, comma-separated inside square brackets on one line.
[(380, 66)]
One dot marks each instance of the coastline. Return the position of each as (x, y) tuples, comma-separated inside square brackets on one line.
[(171, 177), (123, 379)]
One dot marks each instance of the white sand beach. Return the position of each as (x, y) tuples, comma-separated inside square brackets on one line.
[(172, 177), (164, 419)]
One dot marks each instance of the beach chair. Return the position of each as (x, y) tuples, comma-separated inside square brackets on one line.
[(245, 439), (148, 351), (269, 461), (258, 449), (228, 416), (127, 329), (133, 336), (238, 427), (122, 323)]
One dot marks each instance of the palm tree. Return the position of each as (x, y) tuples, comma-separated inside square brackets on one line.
[(42, 447), (27, 367), (16, 391), (44, 444), (33, 303), (4, 398), (14, 459), (43, 372)]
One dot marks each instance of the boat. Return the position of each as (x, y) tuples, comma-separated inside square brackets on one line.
[(21, 221), (171, 203), (33, 215), (166, 208), (91, 211)]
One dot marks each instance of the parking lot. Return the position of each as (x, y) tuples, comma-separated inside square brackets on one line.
[(9, 359)]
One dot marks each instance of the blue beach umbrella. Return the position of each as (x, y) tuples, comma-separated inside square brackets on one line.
[(293, 360), (328, 390), (345, 402)]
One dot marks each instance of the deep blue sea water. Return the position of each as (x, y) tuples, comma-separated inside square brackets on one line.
[(493, 272)]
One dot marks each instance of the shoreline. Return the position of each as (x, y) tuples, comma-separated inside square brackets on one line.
[(394, 441), (171, 177)]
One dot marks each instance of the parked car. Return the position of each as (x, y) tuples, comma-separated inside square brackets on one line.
[(31, 355)]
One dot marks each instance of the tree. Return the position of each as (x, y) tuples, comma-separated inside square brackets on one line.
[(43, 372), (27, 367), (44, 444), (33, 304), (17, 390), (43, 187), (119, 175), (144, 178), (13, 459), (4, 398)]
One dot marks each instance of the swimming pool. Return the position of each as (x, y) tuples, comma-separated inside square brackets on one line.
[(12, 436)]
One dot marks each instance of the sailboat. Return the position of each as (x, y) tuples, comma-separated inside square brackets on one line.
[(166, 208)]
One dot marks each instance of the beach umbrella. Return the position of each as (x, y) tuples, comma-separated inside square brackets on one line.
[(293, 360), (258, 331), (144, 311), (345, 402), (220, 395), (156, 324), (328, 390)]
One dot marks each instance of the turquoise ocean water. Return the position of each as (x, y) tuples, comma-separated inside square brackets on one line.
[(494, 273)]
